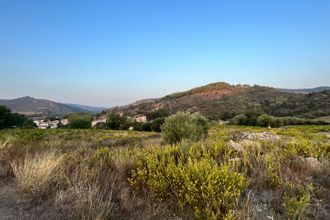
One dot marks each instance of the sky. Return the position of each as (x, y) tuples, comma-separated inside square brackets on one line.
[(108, 53)]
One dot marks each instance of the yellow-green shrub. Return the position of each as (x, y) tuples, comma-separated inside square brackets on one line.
[(195, 182), (296, 199), (306, 148)]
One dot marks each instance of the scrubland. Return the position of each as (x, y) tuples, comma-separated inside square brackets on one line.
[(234, 173)]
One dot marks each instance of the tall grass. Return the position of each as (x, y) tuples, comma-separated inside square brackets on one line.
[(86, 196), (36, 173)]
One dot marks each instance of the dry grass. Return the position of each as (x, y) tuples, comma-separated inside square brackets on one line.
[(91, 182), (86, 198), (4, 145), (36, 173)]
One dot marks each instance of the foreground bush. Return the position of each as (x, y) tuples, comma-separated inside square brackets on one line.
[(193, 182), (35, 174), (184, 125)]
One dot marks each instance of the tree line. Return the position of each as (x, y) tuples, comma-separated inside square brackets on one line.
[(8, 119)]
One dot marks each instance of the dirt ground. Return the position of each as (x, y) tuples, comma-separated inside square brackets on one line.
[(13, 207)]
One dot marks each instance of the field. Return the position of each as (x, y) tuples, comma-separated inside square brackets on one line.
[(236, 173)]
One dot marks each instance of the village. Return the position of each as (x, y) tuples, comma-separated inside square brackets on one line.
[(58, 123)]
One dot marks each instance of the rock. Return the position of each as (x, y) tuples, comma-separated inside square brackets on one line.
[(246, 143), (266, 136), (242, 145), (259, 203), (236, 146)]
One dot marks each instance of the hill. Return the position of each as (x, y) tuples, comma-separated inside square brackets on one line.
[(305, 91), (223, 101), (87, 108), (30, 106)]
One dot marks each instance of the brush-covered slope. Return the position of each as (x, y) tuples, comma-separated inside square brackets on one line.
[(223, 101)]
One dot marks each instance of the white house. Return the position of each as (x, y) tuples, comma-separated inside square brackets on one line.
[(65, 121), (140, 118), (54, 124)]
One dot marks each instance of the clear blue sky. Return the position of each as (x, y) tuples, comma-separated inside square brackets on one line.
[(109, 53)]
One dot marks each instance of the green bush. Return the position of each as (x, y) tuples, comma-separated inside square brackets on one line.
[(265, 120), (156, 125), (10, 120), (190, 178), (117, 122), (184, 125), (296, 200), (80, 120), (238, 119), (101, 125)]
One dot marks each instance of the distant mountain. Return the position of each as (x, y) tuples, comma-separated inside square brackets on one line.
[(87, 108), (39, 107), (305, 91), (223, 101)]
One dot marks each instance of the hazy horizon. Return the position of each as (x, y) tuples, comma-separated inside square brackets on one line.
[(109, 106), (108, 53)]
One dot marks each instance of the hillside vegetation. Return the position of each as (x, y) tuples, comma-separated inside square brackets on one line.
[(224, 101), (30, 106), (232, 173)]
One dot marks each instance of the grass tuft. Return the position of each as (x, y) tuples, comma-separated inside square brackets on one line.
[(36, 173)]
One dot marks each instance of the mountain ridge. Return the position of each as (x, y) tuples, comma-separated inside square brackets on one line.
[(306, 90), (223, 101), (32, 107)]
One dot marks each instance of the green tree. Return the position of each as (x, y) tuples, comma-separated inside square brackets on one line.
[(117, 122), (184, 125), (160, 113), (102, 125), (265, 120), (156, 125), (238, 119), (10, 120), (80, 120)]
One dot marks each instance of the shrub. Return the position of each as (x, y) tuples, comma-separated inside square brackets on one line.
[(137, 126), (101, 125), (9, 119), (184, 125), (160, 113), (156, 125), (193, 182), (117, 122), (36, 173), (82, 121), (238, 119), (265, 120), (296, 200)]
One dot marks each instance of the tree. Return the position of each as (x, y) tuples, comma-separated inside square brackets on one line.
[(117, 122), (80, 120), (137, 126), (265, 120), (238, 119), (10, 120), (268, 120), (160, 113), (156, 125), (101, 125), (184, 125)]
